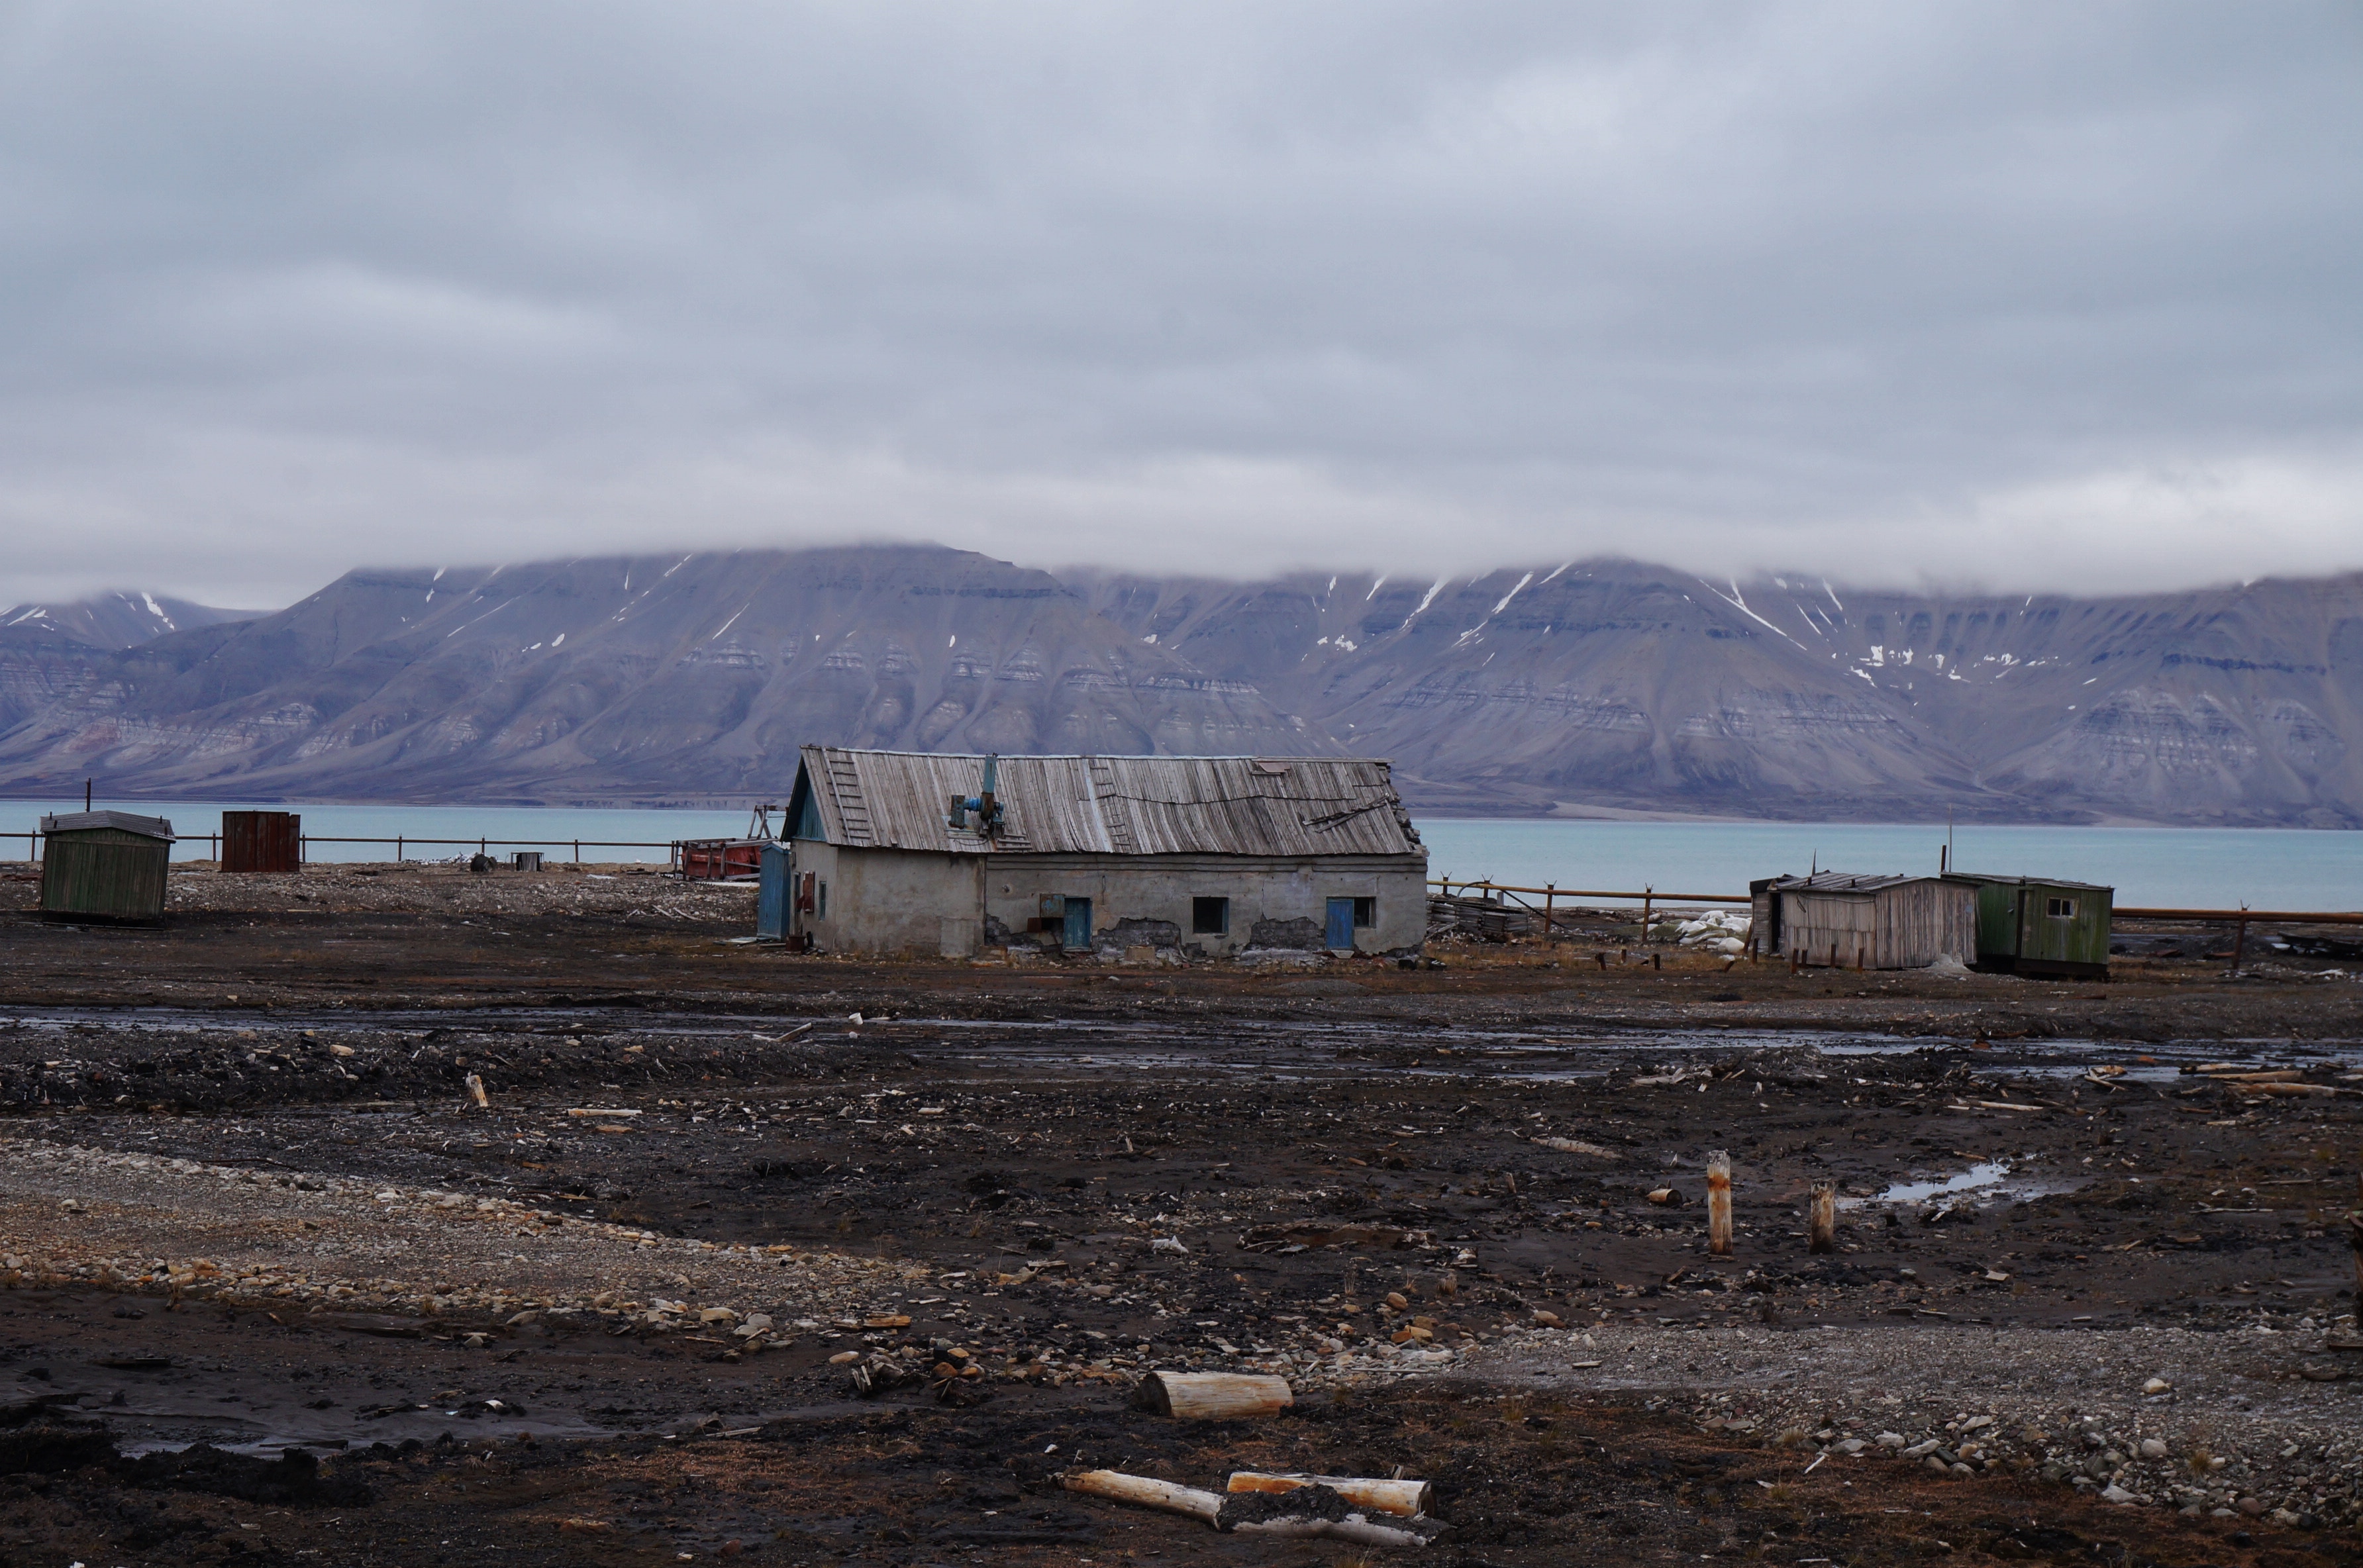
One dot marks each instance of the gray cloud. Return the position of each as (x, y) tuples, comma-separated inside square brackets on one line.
[(2024, 294)]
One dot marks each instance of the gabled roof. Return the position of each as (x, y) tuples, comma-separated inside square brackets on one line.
[(82, 822), (1109, 805)]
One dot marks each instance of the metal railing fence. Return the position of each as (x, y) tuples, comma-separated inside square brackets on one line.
[(404, 843)]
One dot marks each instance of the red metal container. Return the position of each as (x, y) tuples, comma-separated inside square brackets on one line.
[(270, 842), (722, 859)]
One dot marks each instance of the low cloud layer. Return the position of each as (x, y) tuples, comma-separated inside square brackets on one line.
[(2024, 295)]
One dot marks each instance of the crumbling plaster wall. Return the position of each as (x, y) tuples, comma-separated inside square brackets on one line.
[(1162, 888), (885, 901)]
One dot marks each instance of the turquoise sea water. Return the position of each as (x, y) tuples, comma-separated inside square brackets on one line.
[(500, 827), (2202, 868), (2149, 867)]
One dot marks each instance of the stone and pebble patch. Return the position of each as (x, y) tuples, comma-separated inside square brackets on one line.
[(616, 891), (274, 1239), (2223, 1424)]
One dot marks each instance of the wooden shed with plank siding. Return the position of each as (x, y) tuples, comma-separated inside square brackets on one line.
[(104, 865), (262, 842), (1849, 921)]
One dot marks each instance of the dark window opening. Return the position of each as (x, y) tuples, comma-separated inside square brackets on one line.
[(1366, 913), (1210, 916), (822, 912), (2060, 908)]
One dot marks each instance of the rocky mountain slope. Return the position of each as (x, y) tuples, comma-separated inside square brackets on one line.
[(49, 651), (118, 620), (675, 677), (1629, 686), (1600, 684)]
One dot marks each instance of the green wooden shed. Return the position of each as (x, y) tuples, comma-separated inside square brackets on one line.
[(104, 865), (2041, 925)]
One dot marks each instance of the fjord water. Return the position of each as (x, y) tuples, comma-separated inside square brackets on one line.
[(2179, 868), (2149, 867), (500, 828)]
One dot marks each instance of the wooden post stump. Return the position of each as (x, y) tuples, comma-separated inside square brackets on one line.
[(1822, 1218), (1718, 1203)]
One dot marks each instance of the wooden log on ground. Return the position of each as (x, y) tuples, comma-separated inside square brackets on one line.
[(1576, 1146), (1146, 1491), (2355, 1236), (1402, 1498), (1718, 1203), (2323, 1090), (1822, 1218), (1353, 1527), (1212, 1396)]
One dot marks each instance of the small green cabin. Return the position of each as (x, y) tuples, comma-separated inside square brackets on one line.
[(2039, 925), (104, 865)]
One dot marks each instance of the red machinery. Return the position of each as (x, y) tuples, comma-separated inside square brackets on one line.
[(728, 859)]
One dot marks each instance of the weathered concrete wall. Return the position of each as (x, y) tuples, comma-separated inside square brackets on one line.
[(888, 901), (891, 901), (1162, 887)]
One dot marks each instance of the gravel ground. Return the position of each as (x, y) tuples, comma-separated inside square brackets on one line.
[(444, 889), (260, 1237), (2158, 1416)]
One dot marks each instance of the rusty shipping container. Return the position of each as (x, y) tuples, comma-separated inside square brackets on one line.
[(104, 865), (262, 842)]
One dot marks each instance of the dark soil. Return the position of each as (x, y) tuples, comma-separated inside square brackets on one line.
[(1316, 1139)]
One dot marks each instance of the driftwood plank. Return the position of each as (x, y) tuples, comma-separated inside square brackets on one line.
[(1402, 1498), (1212, 1396)]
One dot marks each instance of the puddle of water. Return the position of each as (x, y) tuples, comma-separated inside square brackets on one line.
[(1987, 1178), (1986, 1173)]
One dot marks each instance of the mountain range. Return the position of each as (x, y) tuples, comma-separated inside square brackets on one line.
[(1592, 687), (49, 651)]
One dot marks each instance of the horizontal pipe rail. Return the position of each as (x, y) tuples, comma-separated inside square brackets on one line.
[(2253, 917), (1449, 883), (33, 842), (586, 843), (2223, 917)]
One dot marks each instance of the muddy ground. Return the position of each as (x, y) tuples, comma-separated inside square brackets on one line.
[(249, 1210)]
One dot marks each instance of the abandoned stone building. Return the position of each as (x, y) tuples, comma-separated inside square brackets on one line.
[(907, 852)]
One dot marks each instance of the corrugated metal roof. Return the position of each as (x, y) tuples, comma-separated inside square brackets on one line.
[(2034, 881), (126, 821), (1113, 805), (1845, 882)]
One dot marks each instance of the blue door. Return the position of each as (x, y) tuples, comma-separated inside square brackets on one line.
[(1341, 924), (772, 895), (1078, 935)]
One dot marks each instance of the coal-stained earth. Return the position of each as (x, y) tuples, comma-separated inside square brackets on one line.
[(396, 1215)]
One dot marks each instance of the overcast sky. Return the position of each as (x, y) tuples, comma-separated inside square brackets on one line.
[(2062, 296)]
